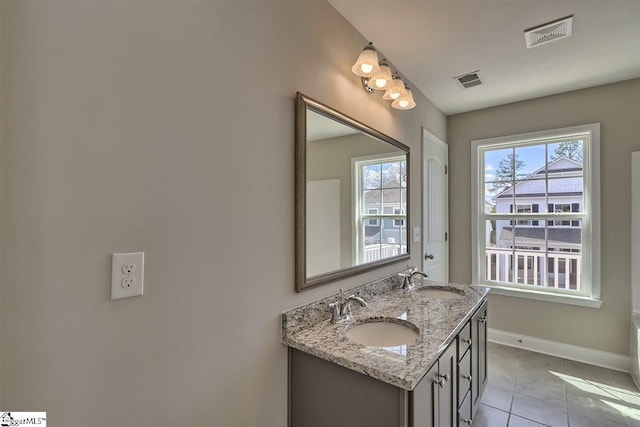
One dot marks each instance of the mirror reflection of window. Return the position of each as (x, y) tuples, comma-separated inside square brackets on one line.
[(381, 197)]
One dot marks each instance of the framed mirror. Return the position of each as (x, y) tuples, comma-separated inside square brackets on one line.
[(352, 196)]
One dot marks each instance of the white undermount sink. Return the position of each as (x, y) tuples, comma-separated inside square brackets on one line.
[(440, 292), (383, 332)]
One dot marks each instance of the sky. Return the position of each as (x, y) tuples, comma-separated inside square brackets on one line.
[(533, 157)]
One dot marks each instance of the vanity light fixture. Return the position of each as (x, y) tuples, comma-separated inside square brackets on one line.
[(383, 79), (376, 75), (395, 89), (404, 101)]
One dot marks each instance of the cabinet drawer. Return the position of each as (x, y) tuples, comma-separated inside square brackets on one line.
[(464, 412), (464, 340), (464, 376)]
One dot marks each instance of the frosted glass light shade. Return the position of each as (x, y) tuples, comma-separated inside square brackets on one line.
[(367, 63), (383, 79), (404, 102), (394, 90)]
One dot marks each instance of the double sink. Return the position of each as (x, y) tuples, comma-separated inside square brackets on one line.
[(395, 338)]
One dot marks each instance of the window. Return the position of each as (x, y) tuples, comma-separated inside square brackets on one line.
[(372, 222), (380, 197), (398, 222), (540, 237), (522, 209)]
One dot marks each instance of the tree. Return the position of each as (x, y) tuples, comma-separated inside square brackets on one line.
[(508, 169), (570, 149)]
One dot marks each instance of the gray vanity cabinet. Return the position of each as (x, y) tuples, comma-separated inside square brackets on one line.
[(322, 393), (433, 403)]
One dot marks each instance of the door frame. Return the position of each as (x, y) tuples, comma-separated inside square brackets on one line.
[(427, 138)]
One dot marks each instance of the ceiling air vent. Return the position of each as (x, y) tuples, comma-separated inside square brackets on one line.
[(469, 80), (549, 32)]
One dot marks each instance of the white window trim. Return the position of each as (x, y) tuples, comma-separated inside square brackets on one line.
[(591, 224)]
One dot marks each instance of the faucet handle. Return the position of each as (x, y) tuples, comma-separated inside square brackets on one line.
[(335, 311)]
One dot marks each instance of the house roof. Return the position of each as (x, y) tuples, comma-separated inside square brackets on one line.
[(558, 166), (387, 196), (534, 236)]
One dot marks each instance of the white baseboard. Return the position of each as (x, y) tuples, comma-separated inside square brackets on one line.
[(618, 362)]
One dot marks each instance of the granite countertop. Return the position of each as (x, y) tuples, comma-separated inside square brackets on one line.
[(310, 330)]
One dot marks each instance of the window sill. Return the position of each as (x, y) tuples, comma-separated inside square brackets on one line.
[(545, 296)]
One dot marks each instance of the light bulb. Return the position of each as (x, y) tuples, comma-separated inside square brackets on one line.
[(367, 63), (366, 68), (394, 89), (380, 83), (382, 79), (405, 101)]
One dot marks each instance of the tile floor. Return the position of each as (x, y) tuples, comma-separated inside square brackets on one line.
[(527, 389)]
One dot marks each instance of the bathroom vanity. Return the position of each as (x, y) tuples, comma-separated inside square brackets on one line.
[(434, 379)]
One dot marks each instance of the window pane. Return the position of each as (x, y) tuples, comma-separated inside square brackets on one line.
[(498, 165), (530, 160), (372, 248), (403, 199), (372, 200), (565, 257), (497, 259), (371, 176), (403, 173), (501, 199), (566, 190), (394, 238), (391, 198), (531, 188), (529, 265), (391, 175), (565, 155)]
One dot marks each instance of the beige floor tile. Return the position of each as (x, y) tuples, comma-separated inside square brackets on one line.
[(539, 411), (486, 416), (516, 421), (497, 397), (542, 389), (579, 419), (545, 390)]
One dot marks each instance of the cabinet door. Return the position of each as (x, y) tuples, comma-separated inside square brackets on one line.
[(478, 354), (482, 349), (423, 402), (447, 389)]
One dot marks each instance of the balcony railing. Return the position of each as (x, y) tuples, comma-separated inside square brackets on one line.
[(562, 269), (381, 251)]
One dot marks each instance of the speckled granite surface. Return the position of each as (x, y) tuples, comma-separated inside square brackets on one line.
[(309, 328)]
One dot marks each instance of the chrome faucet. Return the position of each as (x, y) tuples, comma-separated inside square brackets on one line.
[(341, 309), (407, 278)]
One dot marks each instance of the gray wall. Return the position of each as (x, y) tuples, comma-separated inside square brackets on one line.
[(617, 108), (165, 127)]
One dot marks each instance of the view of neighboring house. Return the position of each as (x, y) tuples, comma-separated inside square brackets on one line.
[(558, 189), (384, 200)]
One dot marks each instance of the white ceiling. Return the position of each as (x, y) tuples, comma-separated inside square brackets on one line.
[(432, 41)]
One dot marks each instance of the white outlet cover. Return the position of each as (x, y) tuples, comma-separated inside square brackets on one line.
[(118, 283)]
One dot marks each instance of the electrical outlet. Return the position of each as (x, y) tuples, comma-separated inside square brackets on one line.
[(127, 274), (128, 282), (128, 267)]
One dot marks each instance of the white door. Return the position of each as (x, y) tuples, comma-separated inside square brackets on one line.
[(435, 221)]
